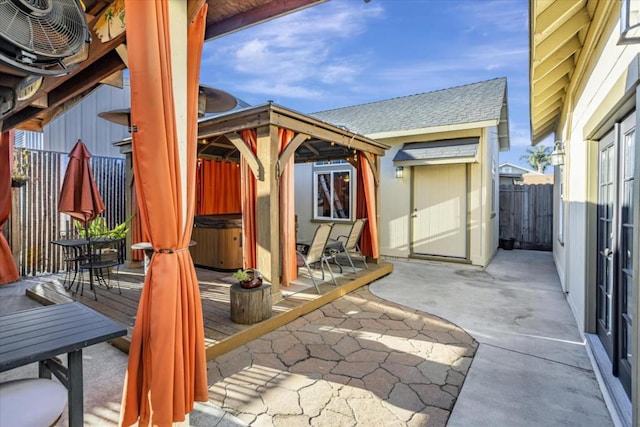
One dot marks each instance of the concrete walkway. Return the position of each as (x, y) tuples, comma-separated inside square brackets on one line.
[(531, 367)]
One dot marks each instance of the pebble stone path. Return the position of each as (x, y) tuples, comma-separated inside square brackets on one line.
[(358, 361)]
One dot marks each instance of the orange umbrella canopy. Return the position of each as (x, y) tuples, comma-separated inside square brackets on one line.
[(79, 197)]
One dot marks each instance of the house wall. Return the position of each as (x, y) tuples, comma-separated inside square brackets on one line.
[(606, 93), (601, 92), (82, 122)]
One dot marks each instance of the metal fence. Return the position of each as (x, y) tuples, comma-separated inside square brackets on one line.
[(526, 216), (35, 219)]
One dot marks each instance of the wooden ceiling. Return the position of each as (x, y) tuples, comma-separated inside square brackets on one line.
[(105, 64)]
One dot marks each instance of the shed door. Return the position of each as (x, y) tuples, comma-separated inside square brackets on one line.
[(440, 210)]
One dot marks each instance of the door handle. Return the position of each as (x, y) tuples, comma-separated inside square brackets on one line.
[(607, 252)]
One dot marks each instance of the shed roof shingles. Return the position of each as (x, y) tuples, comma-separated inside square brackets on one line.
[(470, 103)]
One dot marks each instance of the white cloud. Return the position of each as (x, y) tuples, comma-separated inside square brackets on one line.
[(495, 15), (519, 134), (295, 50)]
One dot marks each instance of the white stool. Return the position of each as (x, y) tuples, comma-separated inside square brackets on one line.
[(30, 402)]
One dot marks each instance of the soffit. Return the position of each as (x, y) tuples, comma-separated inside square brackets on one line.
[(558, 29)]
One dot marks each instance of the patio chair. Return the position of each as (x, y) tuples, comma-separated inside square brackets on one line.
[(316, 253), (72, 257), (350, 243), (103, 259)]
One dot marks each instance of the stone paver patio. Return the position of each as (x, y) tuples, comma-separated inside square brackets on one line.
[(359, 360)]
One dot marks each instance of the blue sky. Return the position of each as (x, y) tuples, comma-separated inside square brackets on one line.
[(348, 52)]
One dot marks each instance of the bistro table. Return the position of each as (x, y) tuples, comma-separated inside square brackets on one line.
[(77, 251), (40, 334)]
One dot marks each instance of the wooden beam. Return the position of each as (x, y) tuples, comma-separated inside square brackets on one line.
[(556, 15), (96, 52), (209, 143), (311, 148), (115, 80), (268, 210), (327, 135), (562, 35), (255, 16), (563, 55), (290, 150), (245, 151)]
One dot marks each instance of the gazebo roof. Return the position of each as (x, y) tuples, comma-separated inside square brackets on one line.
[(322, 141)]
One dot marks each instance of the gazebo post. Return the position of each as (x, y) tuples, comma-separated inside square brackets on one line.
[(267, 210)]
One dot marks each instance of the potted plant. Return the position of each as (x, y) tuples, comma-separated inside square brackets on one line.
[(248, 278), (19, 173)]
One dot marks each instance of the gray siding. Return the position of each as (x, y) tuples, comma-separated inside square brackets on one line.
[(82, 122)]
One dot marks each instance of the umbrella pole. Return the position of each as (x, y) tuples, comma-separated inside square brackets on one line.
[(88, 236)]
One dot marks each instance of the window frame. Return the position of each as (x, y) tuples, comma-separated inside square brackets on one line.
[(332, 168)]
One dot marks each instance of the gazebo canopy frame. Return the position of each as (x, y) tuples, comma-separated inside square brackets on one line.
[(314, 140)]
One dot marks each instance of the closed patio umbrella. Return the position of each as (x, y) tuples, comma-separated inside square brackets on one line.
[(79, 196)]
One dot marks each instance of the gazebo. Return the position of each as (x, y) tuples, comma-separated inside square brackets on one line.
[(226, 136)]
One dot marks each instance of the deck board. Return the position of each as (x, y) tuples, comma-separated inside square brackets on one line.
[(221, 334)]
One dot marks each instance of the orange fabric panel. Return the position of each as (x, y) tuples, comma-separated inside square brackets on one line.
[(8, 268), (137, 234), (287, 212), (366, 207), (248, 197), (167, 363), (218, 187)]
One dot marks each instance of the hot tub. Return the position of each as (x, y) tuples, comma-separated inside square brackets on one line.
[(219, 241)]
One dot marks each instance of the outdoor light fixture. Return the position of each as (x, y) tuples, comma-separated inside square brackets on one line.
[(557, 157), (399, 171), (629, 22)]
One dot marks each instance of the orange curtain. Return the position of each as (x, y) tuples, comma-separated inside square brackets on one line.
[(287, 212), (366, 207), (218, 187), (248, 196), (8, 269), (137, 234), (167, 365)]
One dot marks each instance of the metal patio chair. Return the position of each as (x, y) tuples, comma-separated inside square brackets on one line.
[(316, 253), (350, 244)]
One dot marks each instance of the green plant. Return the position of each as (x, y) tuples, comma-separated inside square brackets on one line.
[(243, 275), (248, 278), (539, 158), (20, 164), (98, 228)]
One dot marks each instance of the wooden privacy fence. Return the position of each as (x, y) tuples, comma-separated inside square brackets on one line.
[(526, 215), (35, 220)]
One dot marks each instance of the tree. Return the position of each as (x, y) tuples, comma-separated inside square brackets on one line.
[(539, 158)]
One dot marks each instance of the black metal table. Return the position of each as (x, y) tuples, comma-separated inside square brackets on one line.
[(40, 334), (81, 252)]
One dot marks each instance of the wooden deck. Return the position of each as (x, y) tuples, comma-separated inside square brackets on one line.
[(221, 334)]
